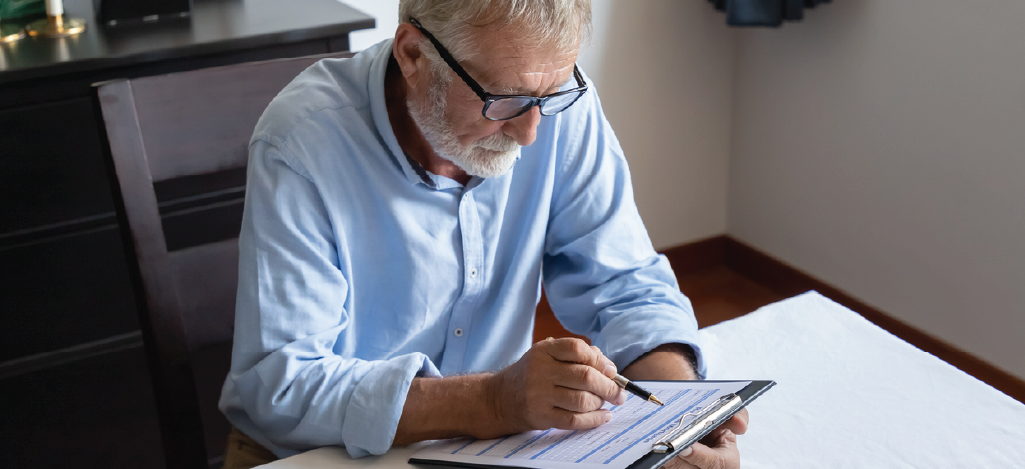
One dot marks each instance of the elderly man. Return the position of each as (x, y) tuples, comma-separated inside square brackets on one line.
[(401, 208)]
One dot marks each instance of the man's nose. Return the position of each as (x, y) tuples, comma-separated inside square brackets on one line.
[(523, 128)]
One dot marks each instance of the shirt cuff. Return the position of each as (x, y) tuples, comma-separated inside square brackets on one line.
[(372, 416), (631, 335)]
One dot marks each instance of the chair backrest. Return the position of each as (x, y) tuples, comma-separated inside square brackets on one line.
[(177, 147)]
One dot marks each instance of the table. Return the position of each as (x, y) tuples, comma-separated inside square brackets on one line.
[(215, 27), (849, 394)]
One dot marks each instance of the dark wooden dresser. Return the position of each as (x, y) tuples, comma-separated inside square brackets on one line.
[(74, 385)]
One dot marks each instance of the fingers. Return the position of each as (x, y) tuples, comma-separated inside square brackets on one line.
[(738, 423), (592, 371), (586, 378), (557, 385), (566, 420), (724, 455), (576, 401), (577, 351), (604, 365)]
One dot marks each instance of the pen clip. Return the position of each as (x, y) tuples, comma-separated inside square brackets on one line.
[(706, 416)]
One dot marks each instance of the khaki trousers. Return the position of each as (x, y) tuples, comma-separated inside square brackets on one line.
[(244, 452)]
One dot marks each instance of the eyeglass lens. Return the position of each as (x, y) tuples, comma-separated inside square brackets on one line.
[(509, 107), (556, 104)]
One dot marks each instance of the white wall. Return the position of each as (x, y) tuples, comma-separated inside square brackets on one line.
[(664, 71), (385, 12), (880, 146)]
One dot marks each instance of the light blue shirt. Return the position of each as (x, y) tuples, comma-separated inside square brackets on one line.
[(355, 276)]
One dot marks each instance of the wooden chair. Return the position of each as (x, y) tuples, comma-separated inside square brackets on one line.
[(176, 150)]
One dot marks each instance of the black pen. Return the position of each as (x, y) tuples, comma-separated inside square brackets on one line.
[(636, 390)]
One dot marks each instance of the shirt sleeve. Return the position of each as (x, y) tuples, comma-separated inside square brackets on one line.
[(601, 275), (294, 390)]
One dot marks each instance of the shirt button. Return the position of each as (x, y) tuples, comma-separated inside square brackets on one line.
[(458, 332), (473, 272)]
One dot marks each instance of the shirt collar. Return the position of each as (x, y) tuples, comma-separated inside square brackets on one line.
[(382, 52), (420, 171)]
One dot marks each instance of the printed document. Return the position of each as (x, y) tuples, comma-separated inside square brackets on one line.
[(634, 427)]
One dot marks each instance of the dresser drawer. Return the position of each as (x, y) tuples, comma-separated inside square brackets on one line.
[(51, 166), (95, 412), (64, 291)]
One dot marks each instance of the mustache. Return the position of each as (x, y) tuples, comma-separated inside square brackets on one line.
[(497, 142)]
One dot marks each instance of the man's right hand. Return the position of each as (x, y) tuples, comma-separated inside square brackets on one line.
[(560, 383)]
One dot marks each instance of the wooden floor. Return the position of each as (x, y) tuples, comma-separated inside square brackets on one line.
[(718, 294)]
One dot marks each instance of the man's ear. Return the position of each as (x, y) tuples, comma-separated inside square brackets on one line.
[(406, 50)]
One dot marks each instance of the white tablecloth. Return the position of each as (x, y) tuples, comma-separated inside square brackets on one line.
[(849, 394)]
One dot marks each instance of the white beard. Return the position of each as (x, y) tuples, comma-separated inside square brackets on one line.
[(490, 156)]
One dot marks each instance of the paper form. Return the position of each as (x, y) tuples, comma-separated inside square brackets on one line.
[(634, 427)]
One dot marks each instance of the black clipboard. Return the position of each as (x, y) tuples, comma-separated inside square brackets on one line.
[(702, 425), (708, 419)]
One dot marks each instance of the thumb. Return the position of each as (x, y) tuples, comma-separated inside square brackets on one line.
[(699, 455)]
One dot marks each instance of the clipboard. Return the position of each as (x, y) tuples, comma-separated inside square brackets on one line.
[(696, 424), (708, 419)]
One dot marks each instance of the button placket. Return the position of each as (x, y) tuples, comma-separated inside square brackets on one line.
[(469, 224)]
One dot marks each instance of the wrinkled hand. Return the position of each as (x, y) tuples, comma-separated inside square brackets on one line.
[(560, 383), (718, 450)]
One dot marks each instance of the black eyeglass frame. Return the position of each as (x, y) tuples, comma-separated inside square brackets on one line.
[(489, 98)]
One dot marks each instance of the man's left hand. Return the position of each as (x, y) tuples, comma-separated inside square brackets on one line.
[(718, 450)]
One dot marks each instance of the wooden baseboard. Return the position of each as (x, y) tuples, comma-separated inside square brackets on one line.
[(786, 281), (789, 281), (698, 256)]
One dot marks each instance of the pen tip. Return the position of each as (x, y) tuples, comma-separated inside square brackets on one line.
[(656, 400)]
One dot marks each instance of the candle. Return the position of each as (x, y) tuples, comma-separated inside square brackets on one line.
[(54, 7)]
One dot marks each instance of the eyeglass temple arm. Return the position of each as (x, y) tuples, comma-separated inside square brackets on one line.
[(451, 61)]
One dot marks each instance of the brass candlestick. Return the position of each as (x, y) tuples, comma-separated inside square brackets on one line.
[(56, 26), (56, 23), (10, 32)]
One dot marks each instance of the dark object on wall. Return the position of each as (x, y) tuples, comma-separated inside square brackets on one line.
[(764, 12), (189, 127), (114, 12)]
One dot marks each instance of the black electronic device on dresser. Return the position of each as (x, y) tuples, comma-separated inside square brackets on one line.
[(74, 378), (117, 12)]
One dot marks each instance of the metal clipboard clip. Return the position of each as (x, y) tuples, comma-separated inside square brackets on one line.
[(706, 417)]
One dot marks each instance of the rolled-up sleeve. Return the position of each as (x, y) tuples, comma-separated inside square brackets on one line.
[(289, 388), (601, 275)]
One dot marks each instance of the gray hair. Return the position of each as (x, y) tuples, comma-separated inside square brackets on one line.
[(550, 24)]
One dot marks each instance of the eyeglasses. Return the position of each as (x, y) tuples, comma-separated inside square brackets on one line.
[(500, 107)]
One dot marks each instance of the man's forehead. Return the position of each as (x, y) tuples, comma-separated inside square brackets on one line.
[(509, 60), (523, 72)]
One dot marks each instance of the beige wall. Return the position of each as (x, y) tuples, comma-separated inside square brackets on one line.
[(880, 146), (664, 70)]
